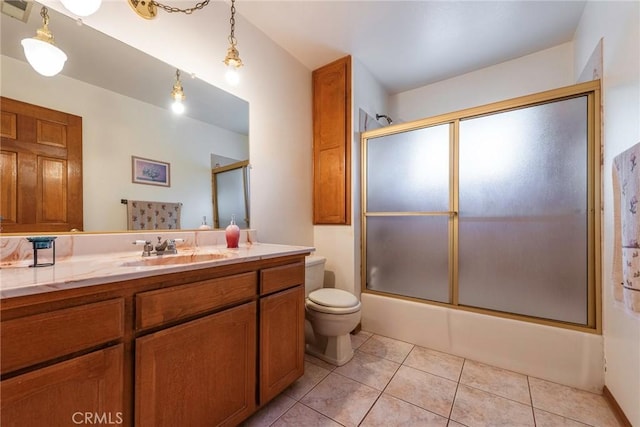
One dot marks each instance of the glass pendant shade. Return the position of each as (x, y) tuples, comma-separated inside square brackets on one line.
[(46, 58), (177, 106), (177, 94), (233, 63), (232, 75), (82, 7)]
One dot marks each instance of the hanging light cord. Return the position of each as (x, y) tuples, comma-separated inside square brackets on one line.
[(188, 11), (44, 12), (232, 21)]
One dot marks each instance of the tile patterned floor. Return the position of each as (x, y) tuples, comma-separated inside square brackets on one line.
[(394, 383)]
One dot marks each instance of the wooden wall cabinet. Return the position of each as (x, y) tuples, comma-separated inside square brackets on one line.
[(204, 347), (332, 143), (41, 169)]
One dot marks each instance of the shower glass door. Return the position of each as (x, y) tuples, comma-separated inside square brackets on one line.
[(408, 213), (523, 183)]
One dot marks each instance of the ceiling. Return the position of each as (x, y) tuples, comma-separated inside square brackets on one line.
[(409, 44), (404, 44)]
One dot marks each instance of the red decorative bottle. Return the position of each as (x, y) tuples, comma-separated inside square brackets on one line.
[(232, 233)]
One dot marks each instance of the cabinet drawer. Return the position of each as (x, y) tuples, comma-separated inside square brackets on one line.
[(277, 278), (154, 308), (41, 337)]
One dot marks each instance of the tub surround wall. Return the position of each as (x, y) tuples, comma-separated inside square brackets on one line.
[(564, 356)]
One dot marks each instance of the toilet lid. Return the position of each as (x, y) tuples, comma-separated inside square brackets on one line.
[(331, 297), (313, 307)]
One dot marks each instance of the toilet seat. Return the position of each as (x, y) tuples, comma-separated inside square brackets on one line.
[(332, 301)]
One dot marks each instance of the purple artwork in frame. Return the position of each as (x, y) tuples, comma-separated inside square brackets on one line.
[(152, 172)]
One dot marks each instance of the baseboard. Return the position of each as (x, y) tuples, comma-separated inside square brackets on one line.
[(617, 410)]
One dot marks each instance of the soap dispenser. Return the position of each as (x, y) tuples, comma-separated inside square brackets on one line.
[(204, 225), (232, 233)]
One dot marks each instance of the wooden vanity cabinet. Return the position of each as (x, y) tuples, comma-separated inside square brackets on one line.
[(200, 373), (81, 390), (202, 347), (78, 373), (281, 329)]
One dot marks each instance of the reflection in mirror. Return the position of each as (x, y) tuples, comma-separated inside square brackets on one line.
[(231, 195), (122, 95)]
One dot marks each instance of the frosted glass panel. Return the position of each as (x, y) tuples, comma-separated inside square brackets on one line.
[(409, 256), (230, 196), (409, 171), (523, 211)]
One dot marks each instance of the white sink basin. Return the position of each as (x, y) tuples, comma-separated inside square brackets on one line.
[(176, 259)]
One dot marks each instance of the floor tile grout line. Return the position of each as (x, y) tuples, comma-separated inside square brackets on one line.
[(453, 401), (381, 393), (324, 415), (434, 374), (413, 404), (533, 410), (370, 408), (494, 394)]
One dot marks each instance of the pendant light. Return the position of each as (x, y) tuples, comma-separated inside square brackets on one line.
[(232, 60), (82, 7), (177, 94), (41, 52)]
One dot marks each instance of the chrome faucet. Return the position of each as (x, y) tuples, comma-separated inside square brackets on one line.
[(162, 248), (148, 247), (167, 247)]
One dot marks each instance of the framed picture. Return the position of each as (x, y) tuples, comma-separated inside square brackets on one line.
[(152, 172)]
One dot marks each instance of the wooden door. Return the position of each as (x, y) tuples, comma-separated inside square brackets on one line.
[(83, 390), (332, 141), (201, 373), (281, 341), (41, 169)]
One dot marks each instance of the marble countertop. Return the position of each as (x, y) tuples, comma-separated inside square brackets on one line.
[(88, 270)]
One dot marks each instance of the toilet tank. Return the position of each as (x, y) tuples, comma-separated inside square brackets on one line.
[(313, 273)]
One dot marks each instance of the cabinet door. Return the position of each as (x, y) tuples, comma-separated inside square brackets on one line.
[(332, 140), (201, 373), (84, 390), (281, 341)]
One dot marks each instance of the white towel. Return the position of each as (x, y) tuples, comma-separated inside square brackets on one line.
[(626, 213)]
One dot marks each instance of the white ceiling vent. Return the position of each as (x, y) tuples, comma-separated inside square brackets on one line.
[(18, 9)]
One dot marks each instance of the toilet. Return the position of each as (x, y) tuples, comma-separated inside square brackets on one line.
[(332, 315)]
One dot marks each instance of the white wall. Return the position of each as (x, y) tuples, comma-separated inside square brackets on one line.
[(540, 71), (565, 356), (114, 128), (618, 23), (340, 244), (277, 87)]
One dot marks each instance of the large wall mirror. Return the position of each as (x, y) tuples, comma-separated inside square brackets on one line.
[(122, 95)]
